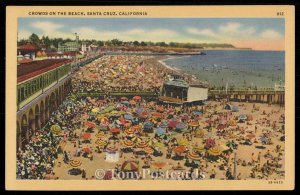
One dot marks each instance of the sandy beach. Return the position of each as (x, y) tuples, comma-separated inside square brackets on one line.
[(135, 134)]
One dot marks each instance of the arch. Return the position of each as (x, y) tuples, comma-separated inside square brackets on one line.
[(19, 136), (42, 114), (52, 102), (47, 109), (37, 117), (31, 122), (61, 93), (24, 131)]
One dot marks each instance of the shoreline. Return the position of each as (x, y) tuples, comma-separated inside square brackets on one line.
[(178, 70)]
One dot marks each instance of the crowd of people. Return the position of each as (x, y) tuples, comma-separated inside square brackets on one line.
[(120, 74), (220, 140)]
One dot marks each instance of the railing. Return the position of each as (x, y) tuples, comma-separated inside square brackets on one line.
[(116, 94), (241, 92)]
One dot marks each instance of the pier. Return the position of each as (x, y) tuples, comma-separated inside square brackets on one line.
[(261, 96)]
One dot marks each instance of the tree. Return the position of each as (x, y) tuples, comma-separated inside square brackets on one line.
[(116, 42), (136, 43), (143, 43), (34, 38)]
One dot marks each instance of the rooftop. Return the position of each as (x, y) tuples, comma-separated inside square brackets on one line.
[(177, 83), (28, 70), (28, 47)]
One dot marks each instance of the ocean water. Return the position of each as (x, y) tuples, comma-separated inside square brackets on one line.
[(245, 68)]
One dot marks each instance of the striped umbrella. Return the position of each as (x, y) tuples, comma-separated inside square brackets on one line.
[(55, 129), (128, 143), (137, 128), (199, 148), (129, 132), (148, 150), (101, 143), (142, 144), (100, 135), (75, 163), (136, 139), (215, 151), (193, 156)]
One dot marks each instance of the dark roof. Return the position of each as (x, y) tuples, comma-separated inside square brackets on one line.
[(25, 61), (31, 69), (28, 47)]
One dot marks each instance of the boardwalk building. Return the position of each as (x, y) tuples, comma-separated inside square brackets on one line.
[(41, 87)]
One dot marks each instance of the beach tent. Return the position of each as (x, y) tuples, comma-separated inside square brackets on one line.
[(130, 166), (227, 107), (242, 117), (112, 155)]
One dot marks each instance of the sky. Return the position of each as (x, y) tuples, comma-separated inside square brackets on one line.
[(255, 33)]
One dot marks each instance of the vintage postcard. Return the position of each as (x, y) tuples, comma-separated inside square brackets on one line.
[(150, 98)]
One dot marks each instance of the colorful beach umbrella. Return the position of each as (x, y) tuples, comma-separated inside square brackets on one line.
[(160, 131), (199, 148), (129, 132), (75, 163), (137, 98), (100, 135), (128, 117), (148, 125), (86, 136), (128, 143), (194, 156), (148, 150), (180, 149), (130, 166), (101, 143), (142, 144), (90, 124), (183, 142), (251, 136), (163, 125), (215, 151), (55, 129), (181, 126), (172, 124), (115, 130)]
